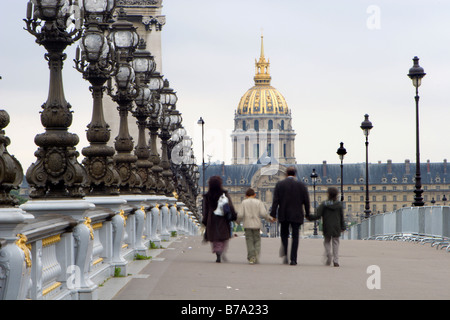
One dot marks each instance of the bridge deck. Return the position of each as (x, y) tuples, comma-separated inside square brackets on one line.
[(186, 270)]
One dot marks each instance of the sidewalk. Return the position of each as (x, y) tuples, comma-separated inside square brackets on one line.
[(187, 270)]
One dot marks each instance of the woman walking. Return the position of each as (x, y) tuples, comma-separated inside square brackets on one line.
[(218, 229), (332, 214), (251, 213)]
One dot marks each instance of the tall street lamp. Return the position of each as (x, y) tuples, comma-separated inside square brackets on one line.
[(314, 177), (56, 173), (366, 126), (171, 119), (341, 153), (416, 73), (202, 123), (153, 125), (125, 38), (143, 65), (96, 61)]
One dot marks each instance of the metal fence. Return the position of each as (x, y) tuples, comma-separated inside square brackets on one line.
[(418, 224)]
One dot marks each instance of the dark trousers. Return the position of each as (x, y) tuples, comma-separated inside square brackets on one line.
[(284, 233)]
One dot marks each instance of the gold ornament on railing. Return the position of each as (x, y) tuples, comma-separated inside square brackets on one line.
[(22, 244)]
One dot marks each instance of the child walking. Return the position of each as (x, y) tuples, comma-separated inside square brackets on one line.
[(332, 214), (251, 213)]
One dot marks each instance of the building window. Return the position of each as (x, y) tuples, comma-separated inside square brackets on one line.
[(284, 150), (270, 126), (256, 150), (256, 125), (282, 124), (269, 149), (244, 125)]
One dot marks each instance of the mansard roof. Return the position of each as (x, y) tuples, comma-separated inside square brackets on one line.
[(330, 174)]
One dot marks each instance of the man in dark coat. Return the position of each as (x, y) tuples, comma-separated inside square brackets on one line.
[(290, 205)]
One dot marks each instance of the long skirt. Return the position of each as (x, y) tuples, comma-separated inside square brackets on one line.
[(219, 246)]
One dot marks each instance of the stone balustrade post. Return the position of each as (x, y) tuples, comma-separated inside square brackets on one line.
[(15, 257)]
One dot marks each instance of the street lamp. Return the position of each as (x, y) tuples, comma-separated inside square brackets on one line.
[(341, 153), (314, 177), (416, 73), (171, 119), (96, 61), (202, 123), (143, 65), (56, 173), (125, 39), (366, 126)]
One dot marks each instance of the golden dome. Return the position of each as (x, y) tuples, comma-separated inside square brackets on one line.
[(262, 98)]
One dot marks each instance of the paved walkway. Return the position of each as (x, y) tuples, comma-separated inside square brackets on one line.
[(187, 270)]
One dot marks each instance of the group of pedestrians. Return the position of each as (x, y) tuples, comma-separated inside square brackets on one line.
[(290, 206)]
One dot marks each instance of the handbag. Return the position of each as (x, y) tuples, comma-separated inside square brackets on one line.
[(219, 210)]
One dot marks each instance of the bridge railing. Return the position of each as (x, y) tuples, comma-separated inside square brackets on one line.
[(418, 224), (52, 250)]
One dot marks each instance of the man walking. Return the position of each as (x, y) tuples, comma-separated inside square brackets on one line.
[(290, 205)]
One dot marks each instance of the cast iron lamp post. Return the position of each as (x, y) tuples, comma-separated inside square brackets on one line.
[(366, 126), (97, 64), (416, 73), (125, 39), (143, 65), (202, 123), (314, 177), (56, 173), (341, 153), (153, 124), (170, 120)]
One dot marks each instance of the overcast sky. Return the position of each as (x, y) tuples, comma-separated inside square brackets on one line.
[(333, 61)]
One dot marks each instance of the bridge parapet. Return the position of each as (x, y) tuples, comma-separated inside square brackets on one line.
[(419, 224), (63, 249)]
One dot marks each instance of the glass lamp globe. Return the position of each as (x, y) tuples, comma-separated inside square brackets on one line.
[(143, 97), (94, 46), (156, 82), (48, 9), (125, 76), (124, 35)]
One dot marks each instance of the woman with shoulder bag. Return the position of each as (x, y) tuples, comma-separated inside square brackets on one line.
[(218, 229)]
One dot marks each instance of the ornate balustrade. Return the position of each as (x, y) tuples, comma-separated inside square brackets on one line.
[(63, 249)]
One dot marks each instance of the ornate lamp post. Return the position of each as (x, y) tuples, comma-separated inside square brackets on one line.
[(153, 124), (416, 73), (143, 65), (314, 177), (202, 123), (56, 173), (125, 39), (366, 126), (341, 153), (170, 120), (97, 64), (12, 173)]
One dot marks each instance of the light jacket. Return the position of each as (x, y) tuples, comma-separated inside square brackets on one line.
[(252, 210)]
